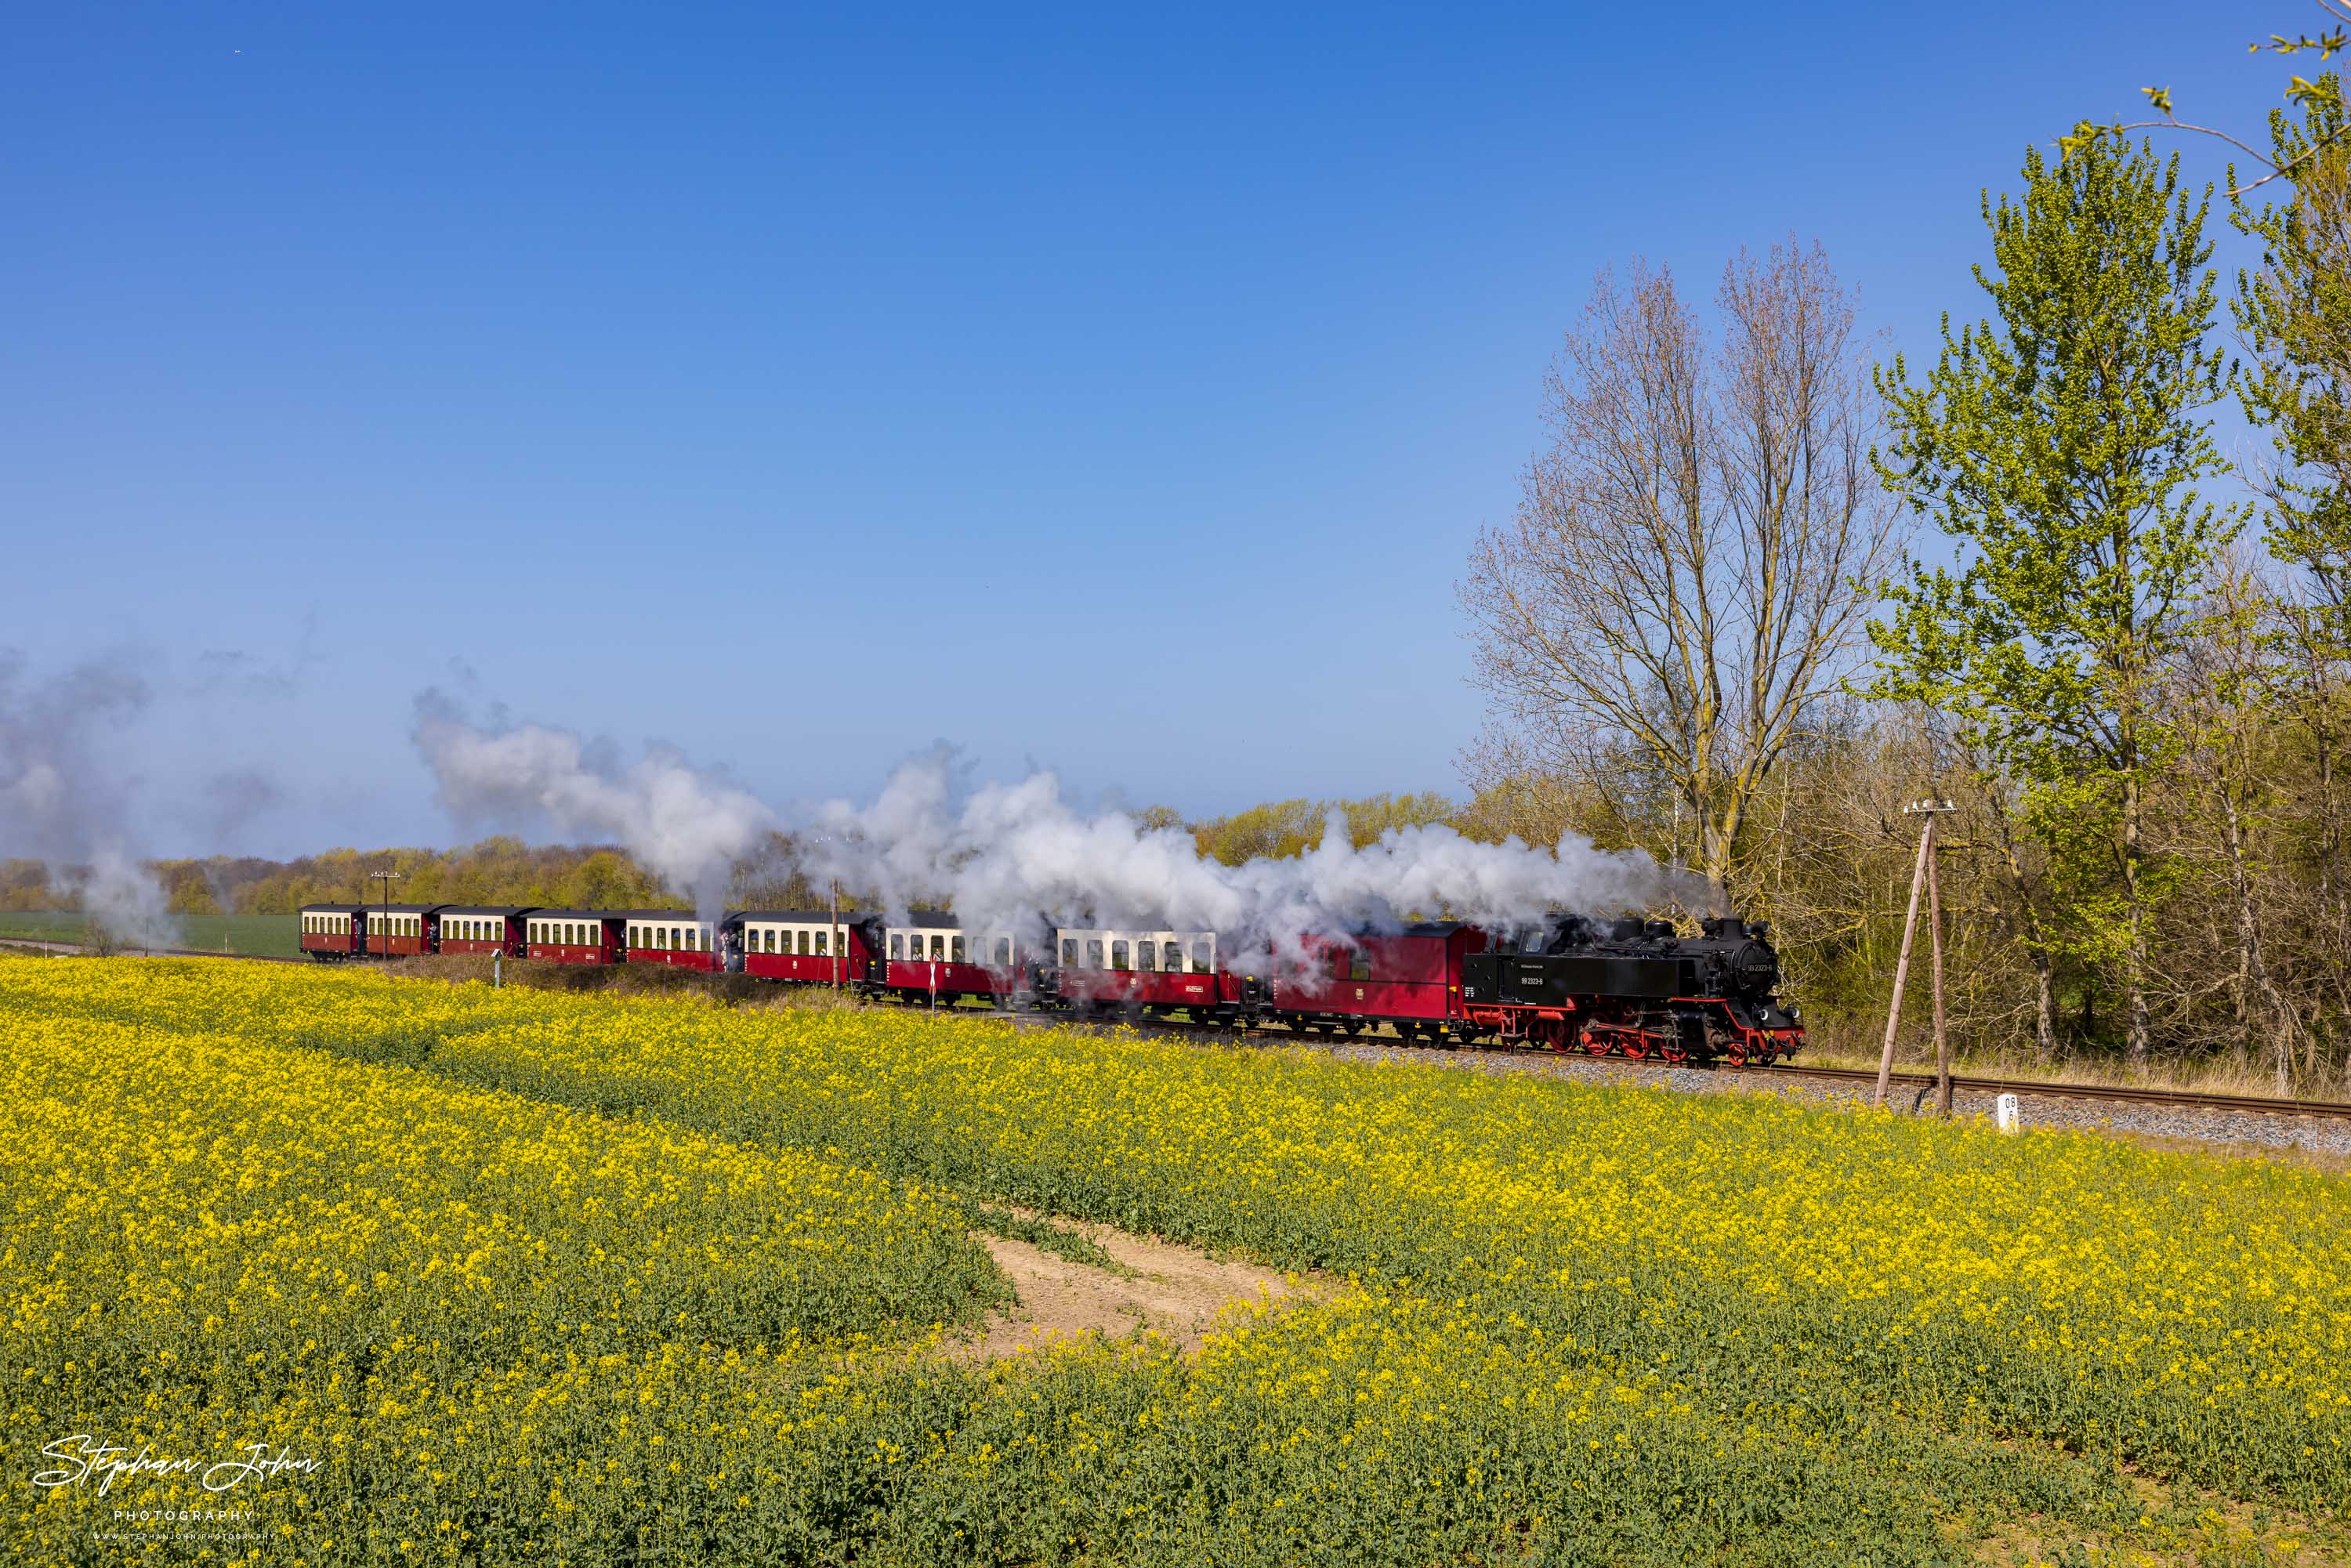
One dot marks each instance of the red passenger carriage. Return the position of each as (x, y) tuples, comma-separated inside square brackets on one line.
[(1138, 972), (931, 959), (1409, 979), (574, 935), (810, 945), (333, 931), (481, 928), (399, 930), (671, 937)]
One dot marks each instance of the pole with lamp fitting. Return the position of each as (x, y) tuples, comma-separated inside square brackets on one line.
[(1923, 876), (387, 878)]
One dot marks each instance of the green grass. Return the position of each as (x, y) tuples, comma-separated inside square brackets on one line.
[(274, 934)]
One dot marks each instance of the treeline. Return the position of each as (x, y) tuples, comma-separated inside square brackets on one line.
[(497, 871)]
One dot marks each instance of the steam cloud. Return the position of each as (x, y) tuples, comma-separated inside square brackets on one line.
[(1019, 858), (686, 827), (61, 803)]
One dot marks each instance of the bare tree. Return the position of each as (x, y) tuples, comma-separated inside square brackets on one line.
[(1698, 545)]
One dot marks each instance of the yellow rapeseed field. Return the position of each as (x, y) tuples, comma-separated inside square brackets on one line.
[(1587, 1324), (211, 1242)]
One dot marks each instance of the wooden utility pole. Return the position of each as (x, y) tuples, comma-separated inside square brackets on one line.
[(1935, 950), (1919, 877), (836, 934), (387, 878)]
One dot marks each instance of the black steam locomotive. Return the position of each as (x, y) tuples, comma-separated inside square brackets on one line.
[(1634, 986)]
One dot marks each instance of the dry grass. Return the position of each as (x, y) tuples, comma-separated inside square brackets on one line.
[(2218, 1074), (623, 979)]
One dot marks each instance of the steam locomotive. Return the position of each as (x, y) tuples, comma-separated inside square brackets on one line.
[(1635, 987), (1564, 982)]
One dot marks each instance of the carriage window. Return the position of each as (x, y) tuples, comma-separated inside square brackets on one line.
[(897, 945), (938, 949), (570, 934), (1146, 956), (771, 938), (821, 951), (954, 950), (1118, 956), (1069, 952), (805, 949), (1094, 953), (1004, 952), (1359, 967), (1201, 963)]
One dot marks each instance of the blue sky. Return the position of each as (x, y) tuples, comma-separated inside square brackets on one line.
[(1116, 392)]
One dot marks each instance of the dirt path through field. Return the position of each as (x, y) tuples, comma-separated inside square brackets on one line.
[(1177, 1290)]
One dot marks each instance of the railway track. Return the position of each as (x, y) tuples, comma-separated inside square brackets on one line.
[(2174, 1099), (2112, 1093), (2121, 1093)]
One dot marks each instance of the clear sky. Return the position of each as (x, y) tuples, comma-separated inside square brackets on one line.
[(1114, 389)]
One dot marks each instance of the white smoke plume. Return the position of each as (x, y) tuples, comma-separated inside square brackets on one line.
[(1019, 858), (683, 825), (65, 805)]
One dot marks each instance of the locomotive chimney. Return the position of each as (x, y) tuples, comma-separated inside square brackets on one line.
[(1730, 928)]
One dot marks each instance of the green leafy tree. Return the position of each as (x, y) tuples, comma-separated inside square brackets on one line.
[(2059, 445)]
